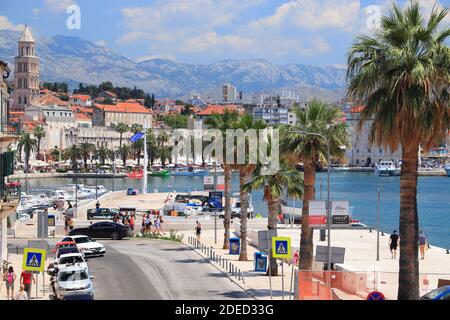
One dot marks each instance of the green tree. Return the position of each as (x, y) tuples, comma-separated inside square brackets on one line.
[(39, 133), (27, 144), (86, 150), (310, 148), (106, 86), (123, 152), (72, 153), (162, 139), (103, 154), (55, 152), (121, 128), (224, 122), (402, 75), (151, 146), (245, 171), (285, 180)]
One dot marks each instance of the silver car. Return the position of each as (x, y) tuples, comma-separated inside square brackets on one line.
[(74, 281)]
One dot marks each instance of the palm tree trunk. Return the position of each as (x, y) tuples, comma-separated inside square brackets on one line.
[(306, 241), (273, 205), (243, 177), (38, 148), (27, 160), (408, 277), (120, 141), (227, 219)]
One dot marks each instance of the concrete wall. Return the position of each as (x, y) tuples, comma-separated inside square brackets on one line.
[(3, 239)]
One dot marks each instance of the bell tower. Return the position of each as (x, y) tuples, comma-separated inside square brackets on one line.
[(26, 73)]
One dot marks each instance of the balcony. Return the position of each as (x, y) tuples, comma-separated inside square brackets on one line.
[(10, 196)]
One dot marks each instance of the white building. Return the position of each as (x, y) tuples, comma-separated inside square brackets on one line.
[(229, 93), (361, 152)]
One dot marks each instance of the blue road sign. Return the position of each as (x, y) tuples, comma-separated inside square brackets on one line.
[(33, 259)]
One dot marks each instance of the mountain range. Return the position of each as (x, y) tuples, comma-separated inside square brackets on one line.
[(74, 60)]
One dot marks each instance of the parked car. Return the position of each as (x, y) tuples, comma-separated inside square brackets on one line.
[(107, 229), (87, 245), (442, 293), (74, 280), (101, 213), (71, 259), (67, 250)]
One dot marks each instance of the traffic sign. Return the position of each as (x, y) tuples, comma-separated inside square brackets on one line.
[(281, 247), (375, 295), (295, 257), (33, 259)]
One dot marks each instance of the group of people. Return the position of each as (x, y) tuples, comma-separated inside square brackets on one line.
[(152, 227), (26, 278), (128, 220), (394, 242)]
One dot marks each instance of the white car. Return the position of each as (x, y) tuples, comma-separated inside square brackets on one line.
[(71, 259), (88, 246), (74, 280)]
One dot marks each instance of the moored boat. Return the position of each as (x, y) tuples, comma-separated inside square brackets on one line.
[(387, 168)]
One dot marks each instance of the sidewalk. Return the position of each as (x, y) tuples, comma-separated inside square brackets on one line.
[(42, 280)]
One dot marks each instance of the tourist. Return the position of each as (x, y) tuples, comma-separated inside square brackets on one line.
[(143, 224), (423, 244), (148, 224), (161, 221), (21, 295), (157, 226), (393, 244), (26, 277), (198, 230), (97, 207), (9, 277), (131, 221)]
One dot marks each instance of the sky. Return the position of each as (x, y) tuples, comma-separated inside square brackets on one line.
[(314, 32)]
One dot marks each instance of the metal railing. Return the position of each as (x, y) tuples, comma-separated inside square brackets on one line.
[(212, 256)]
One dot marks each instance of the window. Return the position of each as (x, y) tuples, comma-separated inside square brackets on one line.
[(24, 100), (20, 100)]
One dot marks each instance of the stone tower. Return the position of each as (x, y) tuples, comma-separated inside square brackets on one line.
[(26, 74)]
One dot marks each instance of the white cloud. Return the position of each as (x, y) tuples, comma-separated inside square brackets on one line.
[(58, 6), (35, 12), (5, 24)]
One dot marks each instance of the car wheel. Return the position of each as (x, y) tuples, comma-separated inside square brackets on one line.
[(115, 236)]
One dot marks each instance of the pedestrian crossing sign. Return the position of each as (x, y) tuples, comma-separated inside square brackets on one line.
[(281, 247), (33, 259)]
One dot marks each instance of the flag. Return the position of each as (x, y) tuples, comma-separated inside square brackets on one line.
[(137, 136)]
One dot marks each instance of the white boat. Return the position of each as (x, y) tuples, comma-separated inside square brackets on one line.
[(101, 190), (63, 195), (387, 168)]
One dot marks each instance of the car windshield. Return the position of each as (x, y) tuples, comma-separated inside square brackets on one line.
[(433, 294), (81, 240), (62, 251), (73, 275), (71, 259)]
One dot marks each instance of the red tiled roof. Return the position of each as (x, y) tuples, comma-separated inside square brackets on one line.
[(17, 113), (48, 99), (218, 109), (357, 109), (82, 109), (79, 116), (124, 107), (111, 93), (82, 97)]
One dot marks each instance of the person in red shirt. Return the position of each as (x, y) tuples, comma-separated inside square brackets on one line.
[(132, 222), (26, 277)]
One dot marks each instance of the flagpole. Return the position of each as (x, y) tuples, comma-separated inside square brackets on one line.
[(144, 180)]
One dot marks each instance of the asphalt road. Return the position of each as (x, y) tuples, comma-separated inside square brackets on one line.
[(155, 269)]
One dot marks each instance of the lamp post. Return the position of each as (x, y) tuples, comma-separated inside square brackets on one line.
[(328, 192), (379, 187), (96, 179), (215, 213)]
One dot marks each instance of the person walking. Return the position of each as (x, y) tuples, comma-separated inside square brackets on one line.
[(161, 221), (157, 226), (132, 222), (68, 223), (393, 244), (21, 295), (198, 230), (26, 277), (423, 244), (9, 277), (148, 224)]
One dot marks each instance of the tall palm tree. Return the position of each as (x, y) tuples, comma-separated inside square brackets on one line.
[(39, 133), (123, 152), (274, 186), (401, 75), (103, 154), (72, 153), (222, 122), (164, 154), (162, 138), (27, 144), (136, 127), (86, 150), (245, 170), (55, 153), (310, 148), (121, 128), (151, 146)]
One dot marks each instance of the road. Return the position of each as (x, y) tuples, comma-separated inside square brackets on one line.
[(155, 269)]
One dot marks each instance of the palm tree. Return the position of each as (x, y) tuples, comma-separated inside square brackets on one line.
[(162, 138), (274, 186), (151, 146), (319, 124), (39, 133), (121, 128), (86, 149), (401, 75), (136, 127), (103, 153), (55, 153), (72, 153), (123, 152), (164, 154), (223, 122), (137, 147), (28, 145), (245, 170)]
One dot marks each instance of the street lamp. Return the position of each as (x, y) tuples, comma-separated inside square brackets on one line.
[(328, 191), (379, 187), (96, 178)]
